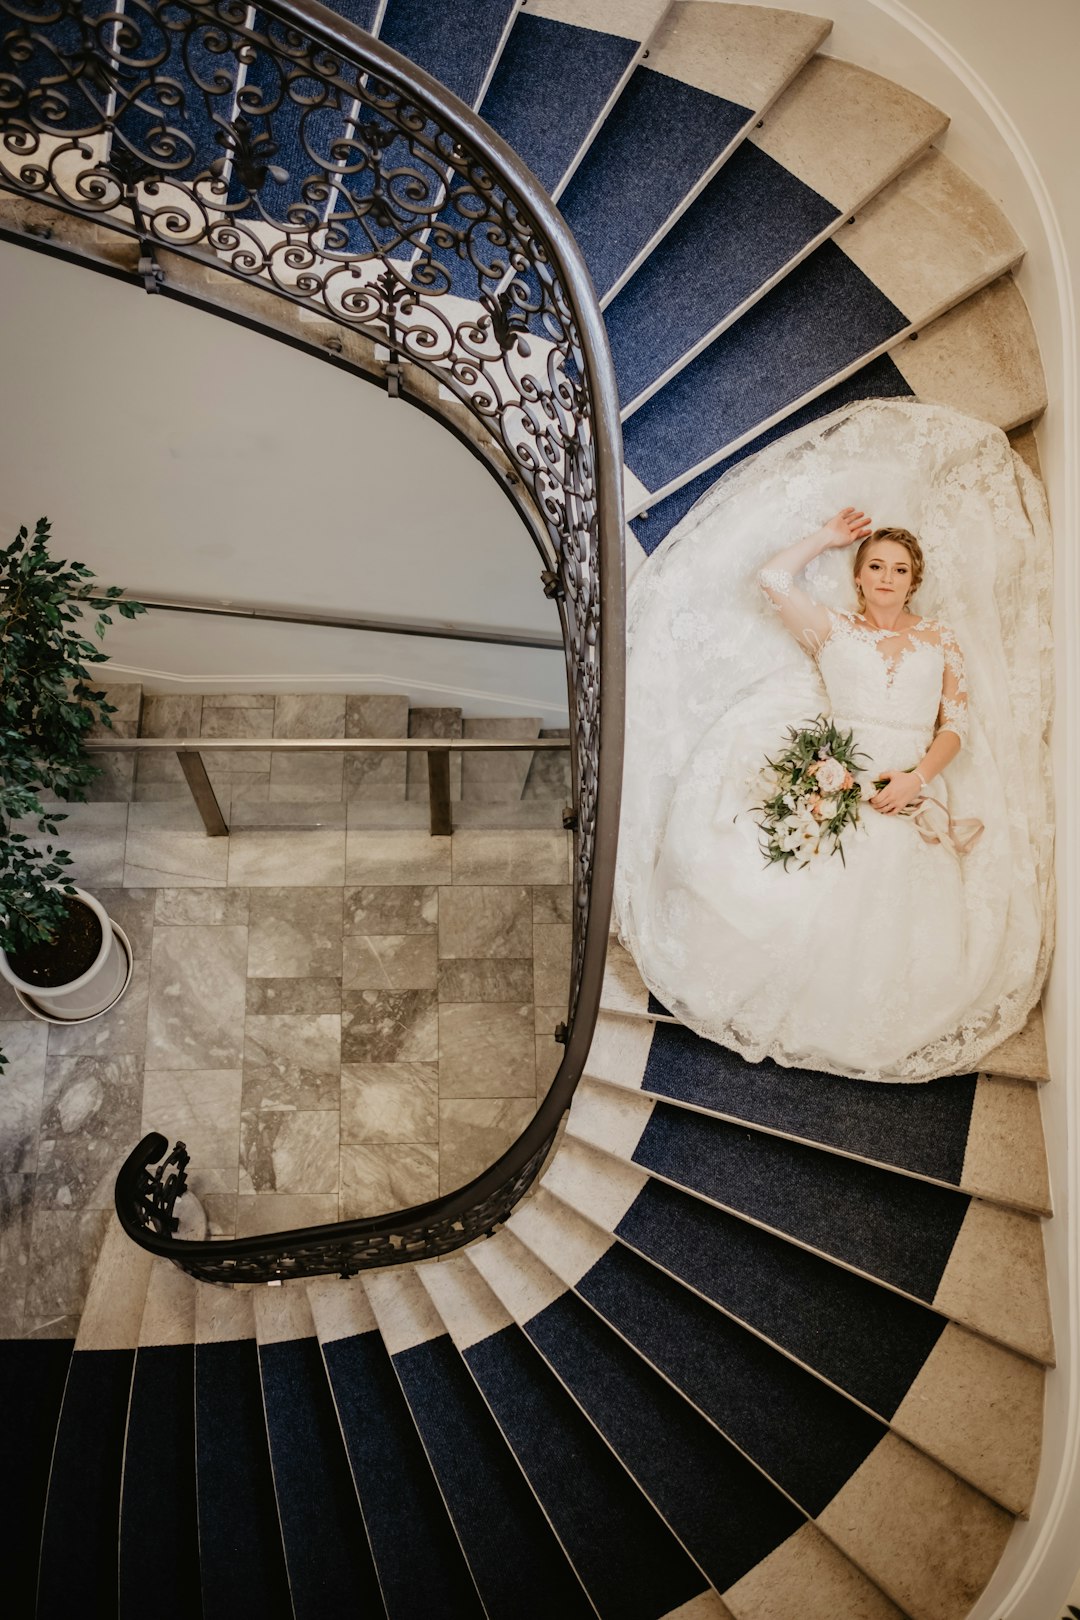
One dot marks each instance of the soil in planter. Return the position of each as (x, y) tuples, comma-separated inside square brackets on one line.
[(77, 943)]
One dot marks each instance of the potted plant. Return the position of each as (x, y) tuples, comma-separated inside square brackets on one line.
[(57, 945)]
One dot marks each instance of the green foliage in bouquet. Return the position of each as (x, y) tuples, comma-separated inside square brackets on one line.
[(813, 794), (47, 707)]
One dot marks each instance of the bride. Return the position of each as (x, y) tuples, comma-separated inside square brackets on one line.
[(925, 946)]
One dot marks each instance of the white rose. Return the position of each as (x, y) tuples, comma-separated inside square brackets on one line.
[(830, 775), (826, 809)]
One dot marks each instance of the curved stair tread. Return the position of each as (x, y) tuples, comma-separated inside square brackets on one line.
[(591, 1505), (979, 1133), (847, 303), (974, 1263), (585, 51), (835, 138), (326, 1548), (487, 1496), (639, 1414), (970, 1405), (417, 1554), (711, 72), (982, 357), (430, 34)]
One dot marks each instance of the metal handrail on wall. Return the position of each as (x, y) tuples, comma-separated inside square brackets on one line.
[(189, 752), (288, 149)]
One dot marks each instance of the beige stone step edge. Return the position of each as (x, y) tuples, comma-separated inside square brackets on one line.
[(484, 1291), (1005, 1153), (993, 1283), (926, 1502), (968, 1389)]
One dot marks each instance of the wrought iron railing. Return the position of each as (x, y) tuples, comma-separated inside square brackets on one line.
[(286, 148)]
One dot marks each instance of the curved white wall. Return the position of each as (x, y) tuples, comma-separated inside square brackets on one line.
[(182, 455)]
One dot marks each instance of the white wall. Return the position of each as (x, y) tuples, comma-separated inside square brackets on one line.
[(183, 455)]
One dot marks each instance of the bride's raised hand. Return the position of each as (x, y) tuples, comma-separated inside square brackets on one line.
[(847, 528)]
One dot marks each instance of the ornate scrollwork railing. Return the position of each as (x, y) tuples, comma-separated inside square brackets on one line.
[(285, 147)]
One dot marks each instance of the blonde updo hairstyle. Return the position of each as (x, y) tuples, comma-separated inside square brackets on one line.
[(901, 537)]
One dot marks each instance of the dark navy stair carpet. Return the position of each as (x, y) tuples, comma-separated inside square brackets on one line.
[(551, 85), (593, 1504), (83, 1507), (880, 379), (825, 315), (159, 1528), (899, 1230), (750, 220), (656, 143), (724, 1511), (243, 1567), (519, 1567), (806, 1436), (32, 1378), (331, 1573), (421, 1567), (455, 46), (867, 1340), (920, 1128)]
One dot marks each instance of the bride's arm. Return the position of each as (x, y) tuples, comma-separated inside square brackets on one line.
[(804, 618)]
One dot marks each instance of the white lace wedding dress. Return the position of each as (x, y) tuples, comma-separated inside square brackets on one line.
[(910, 961)]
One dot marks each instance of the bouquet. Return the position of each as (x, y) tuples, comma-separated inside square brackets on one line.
[(813, 791)]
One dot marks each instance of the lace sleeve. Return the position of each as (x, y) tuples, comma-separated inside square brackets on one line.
[(802, 617), (953, 712)]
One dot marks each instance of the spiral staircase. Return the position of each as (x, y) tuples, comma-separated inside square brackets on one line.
[(759, 1344)]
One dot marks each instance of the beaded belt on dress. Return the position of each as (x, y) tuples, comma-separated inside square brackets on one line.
[(876, 720)]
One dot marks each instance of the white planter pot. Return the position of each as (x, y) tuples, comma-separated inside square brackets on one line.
[(93, 991)]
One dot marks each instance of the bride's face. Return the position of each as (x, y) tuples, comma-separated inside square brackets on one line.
[(886, 574)]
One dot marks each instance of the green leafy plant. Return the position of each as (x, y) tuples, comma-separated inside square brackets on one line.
[(47, 707)]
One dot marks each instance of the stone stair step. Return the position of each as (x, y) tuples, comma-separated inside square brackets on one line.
[(981, 1133), (836, 137), (853, 299), (971, 1406), (486, 1494), (242, 1558), (496, 778), (326, 1548), (418, 1557), (433, 722), (710, 74)]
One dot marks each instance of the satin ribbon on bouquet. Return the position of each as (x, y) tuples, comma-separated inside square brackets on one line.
[(934, 824)]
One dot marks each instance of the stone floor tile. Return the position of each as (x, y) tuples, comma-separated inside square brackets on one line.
[(232, 721), (486, 1049), (389, 1026), (115, 779), (474, 1132), (64, 1246), (553, 903), (168, 847), (196, 1016), (171, 714), (183, 907), (22, 1089), (293, 859), (396, 858), (485, 979), (479, 920), (389, 1102), (309, 714), (305, 1039), (121, 1029), (12, 1010), (258, 1213), (90, 1118), (94, 836), (284, 1084), (378, 1178), (551, 962), (295, 933), (288, 1151), (549, 1054), (16, 1213), (389, 962), (220, 1210), (390, 909), (376, 775), (201, 1108), (306, 778), (432, 722), (311, 815), (133, 909), (536, 856)]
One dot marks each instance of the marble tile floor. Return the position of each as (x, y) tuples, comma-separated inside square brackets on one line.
[(336, 1021)]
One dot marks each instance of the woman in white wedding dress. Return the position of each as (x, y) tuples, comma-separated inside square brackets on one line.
[(909, 959)]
